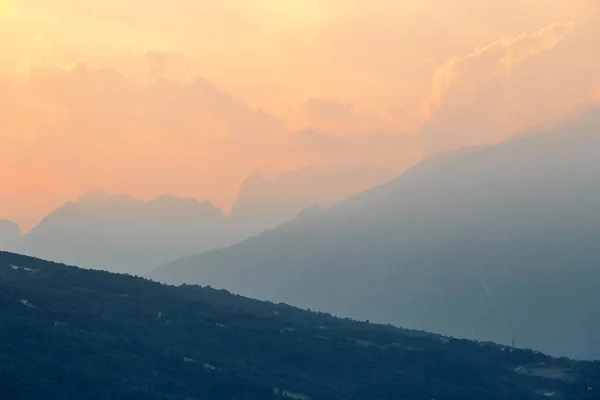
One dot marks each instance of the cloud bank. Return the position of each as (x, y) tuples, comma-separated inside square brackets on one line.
[(193, 97)]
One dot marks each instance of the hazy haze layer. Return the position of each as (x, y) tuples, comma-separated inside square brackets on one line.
[(191, 97), (498, 244)]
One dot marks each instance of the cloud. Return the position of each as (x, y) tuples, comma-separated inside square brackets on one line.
[(342, 118), (379, 148), (328, 109), (7, 7), (66, 129), (496, 60), (508, 86), (333, 117), (151, 65), (192, 96), (102, 103), (85, 127)]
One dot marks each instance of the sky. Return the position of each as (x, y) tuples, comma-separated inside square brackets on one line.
[(190, 97)]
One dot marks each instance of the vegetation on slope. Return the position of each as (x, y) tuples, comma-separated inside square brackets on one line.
[(72, 333)]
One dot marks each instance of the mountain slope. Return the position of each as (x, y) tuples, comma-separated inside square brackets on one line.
[(121, 233), (9, 234), (268, 203), (72, 333), (497, 243)]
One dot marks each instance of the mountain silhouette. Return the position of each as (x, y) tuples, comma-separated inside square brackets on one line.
[(266, 203), (497, 243), (120, 233), (73, 333), (9, 234)]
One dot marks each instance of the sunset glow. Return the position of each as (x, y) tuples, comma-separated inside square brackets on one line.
[(191, 97), (7, 7)]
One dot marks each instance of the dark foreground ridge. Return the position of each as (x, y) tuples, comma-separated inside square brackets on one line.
[(81, 334)]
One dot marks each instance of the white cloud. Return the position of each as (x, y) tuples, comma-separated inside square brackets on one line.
[(511, 84)]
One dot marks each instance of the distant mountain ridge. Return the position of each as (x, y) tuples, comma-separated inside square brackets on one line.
[(9, 234), (496, 243), (269, 202), (120, 233)]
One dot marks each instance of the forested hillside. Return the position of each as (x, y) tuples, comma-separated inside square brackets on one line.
[(69, 333)]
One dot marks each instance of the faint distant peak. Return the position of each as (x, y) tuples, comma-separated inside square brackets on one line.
[(283, 197), (9, 226), (7, 222), (9, 234), (64, 214)]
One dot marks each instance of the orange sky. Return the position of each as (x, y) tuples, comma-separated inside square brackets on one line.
[(191, 96)]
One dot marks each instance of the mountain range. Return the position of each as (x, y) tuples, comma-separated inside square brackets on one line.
[(67, 332), (120, 233), (9, 234), (497, 243), (265, 204)]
